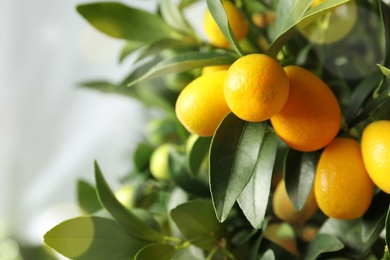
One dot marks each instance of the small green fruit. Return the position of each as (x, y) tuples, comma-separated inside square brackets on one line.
[(159, 162)]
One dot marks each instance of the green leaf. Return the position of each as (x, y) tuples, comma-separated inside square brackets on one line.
[(131, 223), (299, 171), (87, 197), (374, 218), (157, 46), (196, 221), (219, 14), (310, 16), (142, 155), (184, 62), (173, 17), (322, 243), (387, 228), (234, 153), (156, 251), (254, 198), (384, 70), (198, 153), (360, 94), (288, 13), (268, 255), (129, 48), (179, 172), (124, 22), (86, 238), (108, 87)]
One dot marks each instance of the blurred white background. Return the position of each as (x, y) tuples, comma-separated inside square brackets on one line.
[(51, 129)]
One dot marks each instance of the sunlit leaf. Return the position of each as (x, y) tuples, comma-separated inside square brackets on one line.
[(129, 48), (173, 17), (322, 243), (268, 255), (310, 16), (184, 62), (288, 13), (219, 14), (131, 223), (384, 70), (197, 222), (254, 198), (87, 197), (299, 170), (86, 238), (156, 251), (234, 153), (125, 22)]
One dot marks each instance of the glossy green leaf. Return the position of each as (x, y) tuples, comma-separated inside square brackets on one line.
[(299, 171), (360, 94), (288, 13), (131, 223), (180, 174), (108, 87), (87, 197), (374, 218), (174, 17), (120, 21), (254, 198), (184, 62), (86, 238), (350, 233), (197, 222), (387, 228), (322, 243), (198, 153), (310, 16), (268, 255), (156, 251), (219, 14), (142, 155), (234, 153), (384, 70)]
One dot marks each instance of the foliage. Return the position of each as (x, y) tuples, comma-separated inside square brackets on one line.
[(216, 203)]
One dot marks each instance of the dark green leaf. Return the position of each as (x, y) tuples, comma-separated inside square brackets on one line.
[(131, 223), (360, 94), (299, 170), (374, 218), (234, 153), (173, 16), (197, 222), (254, 198), (124, 22), (87, 197), (142, 155), (288, 13), (197, 153), (322, 243), (184, 62), (310, 16), (384, 12), (156, 251), (387, 229), (384, 70), (219, 14), (179, 172), (86, 238)]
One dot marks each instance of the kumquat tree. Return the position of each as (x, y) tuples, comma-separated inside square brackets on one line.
[(274, 139)]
